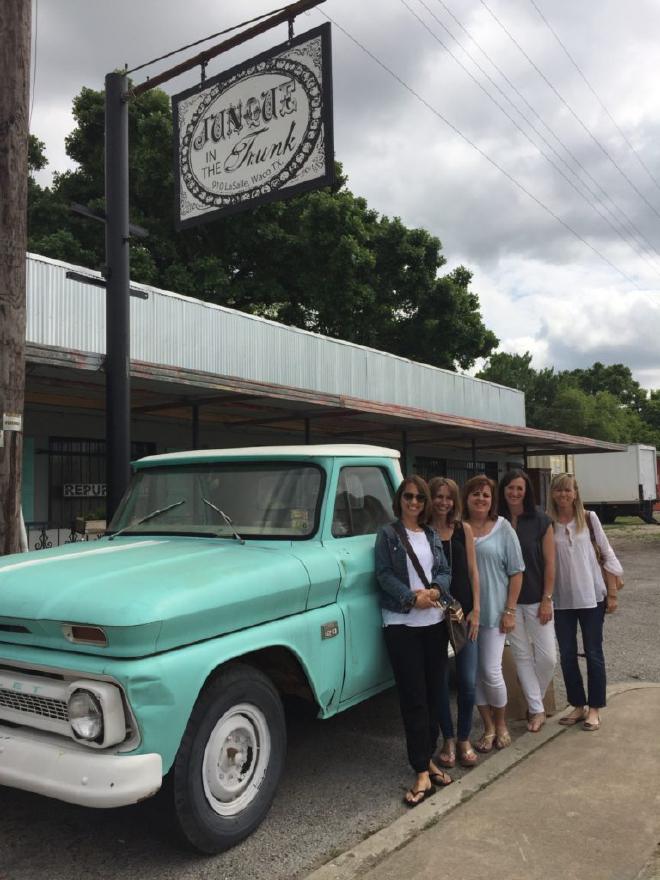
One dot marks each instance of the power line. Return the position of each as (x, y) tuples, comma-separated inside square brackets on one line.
[(595, 94), (591, 203), (478, 149), (636, 232), (206, 39), (570, 109)]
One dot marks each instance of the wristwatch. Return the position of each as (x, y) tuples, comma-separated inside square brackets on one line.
[(547, 597)]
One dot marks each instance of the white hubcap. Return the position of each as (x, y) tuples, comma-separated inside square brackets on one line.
[(235, 759)]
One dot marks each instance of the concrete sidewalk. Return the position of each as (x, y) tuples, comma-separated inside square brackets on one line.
[(568, 805)]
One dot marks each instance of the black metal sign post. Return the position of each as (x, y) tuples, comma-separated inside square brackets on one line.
[(117, 299), (117, 95)]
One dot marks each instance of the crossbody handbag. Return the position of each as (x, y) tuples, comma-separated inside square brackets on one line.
[(454, 618), (613, 582)]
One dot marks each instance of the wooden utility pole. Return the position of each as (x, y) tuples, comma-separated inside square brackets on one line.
[(15, 25)]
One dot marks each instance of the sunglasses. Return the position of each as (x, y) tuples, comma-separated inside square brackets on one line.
[(412, 496)]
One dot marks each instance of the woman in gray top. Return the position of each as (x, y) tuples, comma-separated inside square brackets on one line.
[(533, 639)]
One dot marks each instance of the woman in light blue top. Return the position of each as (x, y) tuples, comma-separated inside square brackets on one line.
[(500, 564)]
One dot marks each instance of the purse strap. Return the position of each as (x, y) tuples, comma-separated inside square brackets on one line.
[(594, 542), (399, 528)]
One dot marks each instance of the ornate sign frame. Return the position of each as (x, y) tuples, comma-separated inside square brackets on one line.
[(259, 132)]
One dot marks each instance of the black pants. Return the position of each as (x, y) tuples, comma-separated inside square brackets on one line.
[(418, 655)]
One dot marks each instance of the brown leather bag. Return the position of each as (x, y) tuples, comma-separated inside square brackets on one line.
[(613, 582)]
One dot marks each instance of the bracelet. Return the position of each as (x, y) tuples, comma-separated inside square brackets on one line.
[(509, 611), (547, 597)]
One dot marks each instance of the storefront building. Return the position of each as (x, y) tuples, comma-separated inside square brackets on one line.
[(203, 376)]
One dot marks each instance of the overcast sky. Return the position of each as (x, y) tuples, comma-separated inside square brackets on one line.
[(572, 278)]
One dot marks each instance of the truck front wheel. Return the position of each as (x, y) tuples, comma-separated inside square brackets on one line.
[(230, 760)]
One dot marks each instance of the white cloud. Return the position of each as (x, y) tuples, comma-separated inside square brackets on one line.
[(541, 288)]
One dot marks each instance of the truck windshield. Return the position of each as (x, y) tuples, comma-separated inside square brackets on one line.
[(277, 500)]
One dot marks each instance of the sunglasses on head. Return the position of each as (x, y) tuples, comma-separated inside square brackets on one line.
[(413, 496)]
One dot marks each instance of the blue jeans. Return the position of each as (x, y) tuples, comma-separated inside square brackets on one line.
[(591, 625), (466, 676)]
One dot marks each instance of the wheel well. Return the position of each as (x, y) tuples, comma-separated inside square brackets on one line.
[(281, 666)]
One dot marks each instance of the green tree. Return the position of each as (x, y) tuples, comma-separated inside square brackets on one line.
[(540, 386), (603, 402), (323, 261), (616, 379)]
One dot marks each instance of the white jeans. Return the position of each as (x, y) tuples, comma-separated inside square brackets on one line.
[(533, 648), (491, 689)]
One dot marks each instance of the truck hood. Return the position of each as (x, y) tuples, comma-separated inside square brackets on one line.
[(149, 593)]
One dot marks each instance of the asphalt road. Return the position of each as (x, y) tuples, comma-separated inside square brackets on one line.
[(344, 778)]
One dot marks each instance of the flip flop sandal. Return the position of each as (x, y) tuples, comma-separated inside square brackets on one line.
[(570, 720), (447, 758), (503, 740), (591, 725), (467, 757), (440, 779), (415, 792), (485, 743), (535, 722)]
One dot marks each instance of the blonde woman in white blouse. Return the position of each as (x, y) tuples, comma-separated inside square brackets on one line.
[(580, 597)]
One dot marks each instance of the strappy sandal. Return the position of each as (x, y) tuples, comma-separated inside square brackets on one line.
[(485, 743), (467, 757), (503, 740), (447, 757), (535, 722)]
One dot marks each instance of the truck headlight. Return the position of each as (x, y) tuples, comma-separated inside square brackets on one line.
[(85, 715), (96, 713)]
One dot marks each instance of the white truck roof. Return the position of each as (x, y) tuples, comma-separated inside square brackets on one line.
[(337, 450)]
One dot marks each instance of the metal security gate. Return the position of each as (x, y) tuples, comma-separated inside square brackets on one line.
[(458, 470), (77, 479)]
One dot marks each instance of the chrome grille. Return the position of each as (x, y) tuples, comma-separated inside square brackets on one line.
[(44, 707)]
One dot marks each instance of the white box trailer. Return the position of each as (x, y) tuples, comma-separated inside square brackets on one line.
[(619, 483)]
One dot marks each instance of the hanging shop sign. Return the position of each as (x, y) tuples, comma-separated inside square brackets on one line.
[(256, 133)]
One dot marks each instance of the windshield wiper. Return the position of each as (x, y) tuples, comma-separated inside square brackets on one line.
[(152, 515), (225, 518)]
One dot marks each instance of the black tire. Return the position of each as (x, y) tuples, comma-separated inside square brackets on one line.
[(222, 796)]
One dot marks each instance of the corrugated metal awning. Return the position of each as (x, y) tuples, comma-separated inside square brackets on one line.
[(74, 379)]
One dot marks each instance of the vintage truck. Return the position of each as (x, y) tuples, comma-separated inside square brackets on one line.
[(161, 652)]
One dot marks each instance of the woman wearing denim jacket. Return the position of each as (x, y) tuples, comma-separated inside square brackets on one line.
[(415, 636)]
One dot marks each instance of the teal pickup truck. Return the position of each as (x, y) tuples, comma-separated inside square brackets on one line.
[(161, 652)]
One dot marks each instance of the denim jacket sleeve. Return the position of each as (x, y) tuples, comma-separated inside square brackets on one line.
[(392, 572), (441, 573)]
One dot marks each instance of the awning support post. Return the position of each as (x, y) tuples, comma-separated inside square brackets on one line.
[(195, 426)]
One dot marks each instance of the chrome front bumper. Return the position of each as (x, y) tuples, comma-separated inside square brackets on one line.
[(52, 766)]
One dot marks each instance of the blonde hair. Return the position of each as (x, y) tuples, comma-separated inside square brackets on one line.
[(435, 484), (560, 481)]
